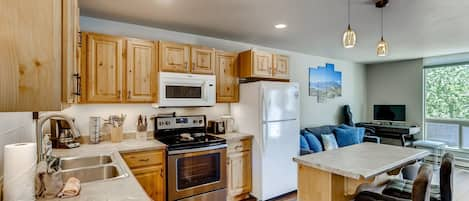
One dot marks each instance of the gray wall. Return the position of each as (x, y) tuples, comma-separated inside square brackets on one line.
[(396, 83)]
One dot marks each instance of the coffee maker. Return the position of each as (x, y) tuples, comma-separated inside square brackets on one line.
[(61, 136)]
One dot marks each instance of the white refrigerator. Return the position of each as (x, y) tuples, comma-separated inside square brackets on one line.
[(270, 111)]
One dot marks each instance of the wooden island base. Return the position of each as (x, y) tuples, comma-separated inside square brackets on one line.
[(318, 185)]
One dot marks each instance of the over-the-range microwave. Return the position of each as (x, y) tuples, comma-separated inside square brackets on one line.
[(186, 90)]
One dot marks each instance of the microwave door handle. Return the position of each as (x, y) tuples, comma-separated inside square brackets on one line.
[(205, 92)]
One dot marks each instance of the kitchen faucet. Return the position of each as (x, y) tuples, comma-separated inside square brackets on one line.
[(42, 153)]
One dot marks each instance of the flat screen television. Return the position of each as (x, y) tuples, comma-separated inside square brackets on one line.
[(389, 112)]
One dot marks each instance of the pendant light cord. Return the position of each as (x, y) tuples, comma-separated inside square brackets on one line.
[(348, 12), (382, 22)]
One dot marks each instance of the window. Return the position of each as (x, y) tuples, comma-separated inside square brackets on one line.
[(447, 104)]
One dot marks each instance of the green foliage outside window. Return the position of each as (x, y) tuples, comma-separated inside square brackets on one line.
[(447, 92)]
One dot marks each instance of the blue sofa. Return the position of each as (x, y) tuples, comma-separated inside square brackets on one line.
[(311, 140)]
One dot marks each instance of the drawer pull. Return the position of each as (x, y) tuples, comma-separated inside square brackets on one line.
[(238, 146), (144, 160)]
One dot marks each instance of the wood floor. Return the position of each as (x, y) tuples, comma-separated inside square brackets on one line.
[(461, 189)]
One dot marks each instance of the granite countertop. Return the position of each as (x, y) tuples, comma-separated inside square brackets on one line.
[(365, 160), (120, 189), (234, 136)]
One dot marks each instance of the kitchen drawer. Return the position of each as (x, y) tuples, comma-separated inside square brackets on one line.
[(238, 146), (141, 159)]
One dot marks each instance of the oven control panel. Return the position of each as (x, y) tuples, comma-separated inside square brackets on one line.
[(163, 123)]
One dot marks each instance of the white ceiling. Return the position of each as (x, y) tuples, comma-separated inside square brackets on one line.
[(413, 28)]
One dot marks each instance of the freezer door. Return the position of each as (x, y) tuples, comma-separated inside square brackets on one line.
[(280, 102), (279, 172)]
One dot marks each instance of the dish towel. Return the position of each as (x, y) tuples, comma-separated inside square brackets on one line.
[(71, 189), (48, 181)]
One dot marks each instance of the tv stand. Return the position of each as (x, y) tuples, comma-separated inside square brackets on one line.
[(401, 131)]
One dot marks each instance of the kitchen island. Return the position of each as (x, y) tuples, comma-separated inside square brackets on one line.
[(334, 175)]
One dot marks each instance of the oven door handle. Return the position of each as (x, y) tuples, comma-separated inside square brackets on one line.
[(184, 151)]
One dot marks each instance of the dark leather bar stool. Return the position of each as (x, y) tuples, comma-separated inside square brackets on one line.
[(441, 192), (420, 189)]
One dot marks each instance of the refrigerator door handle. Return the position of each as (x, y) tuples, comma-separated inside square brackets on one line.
[(265, 139)]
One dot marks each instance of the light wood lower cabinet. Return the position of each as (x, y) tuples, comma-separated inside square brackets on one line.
[(149, 169), (239, 170)]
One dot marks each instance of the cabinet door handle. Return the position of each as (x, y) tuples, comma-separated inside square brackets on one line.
[(119, 93), (161, 173), (128, 94), (78, 86), (187, 65)]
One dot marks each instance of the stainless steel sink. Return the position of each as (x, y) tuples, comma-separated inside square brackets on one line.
[(91, 168), (74, 162), (90, 174)]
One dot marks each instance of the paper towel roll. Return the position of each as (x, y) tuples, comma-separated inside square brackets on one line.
[(19, 172)]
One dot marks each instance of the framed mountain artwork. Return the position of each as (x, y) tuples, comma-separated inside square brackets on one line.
[(325, 82)]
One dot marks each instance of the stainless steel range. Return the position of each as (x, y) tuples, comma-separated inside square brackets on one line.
[(196, 161)]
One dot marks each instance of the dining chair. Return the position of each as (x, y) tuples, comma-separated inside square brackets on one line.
[(420, 189), (441, 192)]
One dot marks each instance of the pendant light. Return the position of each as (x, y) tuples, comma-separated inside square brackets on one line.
[(350, 38), (383, 47)]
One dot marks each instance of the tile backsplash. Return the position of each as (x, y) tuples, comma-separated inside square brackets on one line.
[(81, 113)]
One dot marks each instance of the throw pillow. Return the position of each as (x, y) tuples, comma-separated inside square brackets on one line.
[(303, 143), (313, 142), (329, 142), (346, 137), (359, 130), (361, 133)]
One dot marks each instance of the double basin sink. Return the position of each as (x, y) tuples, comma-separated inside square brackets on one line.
[(91, 168)]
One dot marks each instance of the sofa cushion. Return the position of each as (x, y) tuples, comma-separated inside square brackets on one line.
[(313, 141), (303, 143), (318, 131), (346, 137), (329, 141)]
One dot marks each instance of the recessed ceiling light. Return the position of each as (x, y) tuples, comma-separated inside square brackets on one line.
[(280, 26)]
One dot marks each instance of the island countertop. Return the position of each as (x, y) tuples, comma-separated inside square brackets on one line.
[(364, 160), (126, 188)]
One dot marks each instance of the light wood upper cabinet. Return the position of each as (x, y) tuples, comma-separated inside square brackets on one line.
[(281, 67), (226, 67), (174, 57), (104, 68), (31, 55), (149, 169), (239, 169), (70, 51), (141, 72), (263, 65), (202, 60)]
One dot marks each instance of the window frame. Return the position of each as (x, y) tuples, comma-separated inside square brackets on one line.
[(461, 123)]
